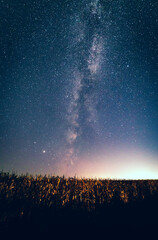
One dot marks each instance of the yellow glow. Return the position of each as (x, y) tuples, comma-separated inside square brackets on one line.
[(120, 165), (140, 174)]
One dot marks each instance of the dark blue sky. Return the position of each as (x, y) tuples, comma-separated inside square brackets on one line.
[(78, 81)]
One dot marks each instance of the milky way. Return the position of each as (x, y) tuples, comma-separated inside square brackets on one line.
[(79, 87), (87, 58)]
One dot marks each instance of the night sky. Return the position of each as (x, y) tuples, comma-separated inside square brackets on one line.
[(78, 87)]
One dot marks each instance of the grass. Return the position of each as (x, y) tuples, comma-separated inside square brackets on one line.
[(41, 204)]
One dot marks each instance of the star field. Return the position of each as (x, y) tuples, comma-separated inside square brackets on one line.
[(78, 87)]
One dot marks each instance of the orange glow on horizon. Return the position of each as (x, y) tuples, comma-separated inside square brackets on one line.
[(116, 165)]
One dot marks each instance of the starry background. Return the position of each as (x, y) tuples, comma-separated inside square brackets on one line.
[(78, 87)]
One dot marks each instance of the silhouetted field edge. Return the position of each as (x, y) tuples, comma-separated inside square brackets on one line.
[(35, 176)]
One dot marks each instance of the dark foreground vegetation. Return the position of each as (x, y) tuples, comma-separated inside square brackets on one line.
[(49, 205)]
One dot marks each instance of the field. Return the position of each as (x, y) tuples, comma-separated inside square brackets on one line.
[(40, 204)]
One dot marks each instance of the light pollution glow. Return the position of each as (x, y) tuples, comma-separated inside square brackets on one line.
[(127, 164)]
